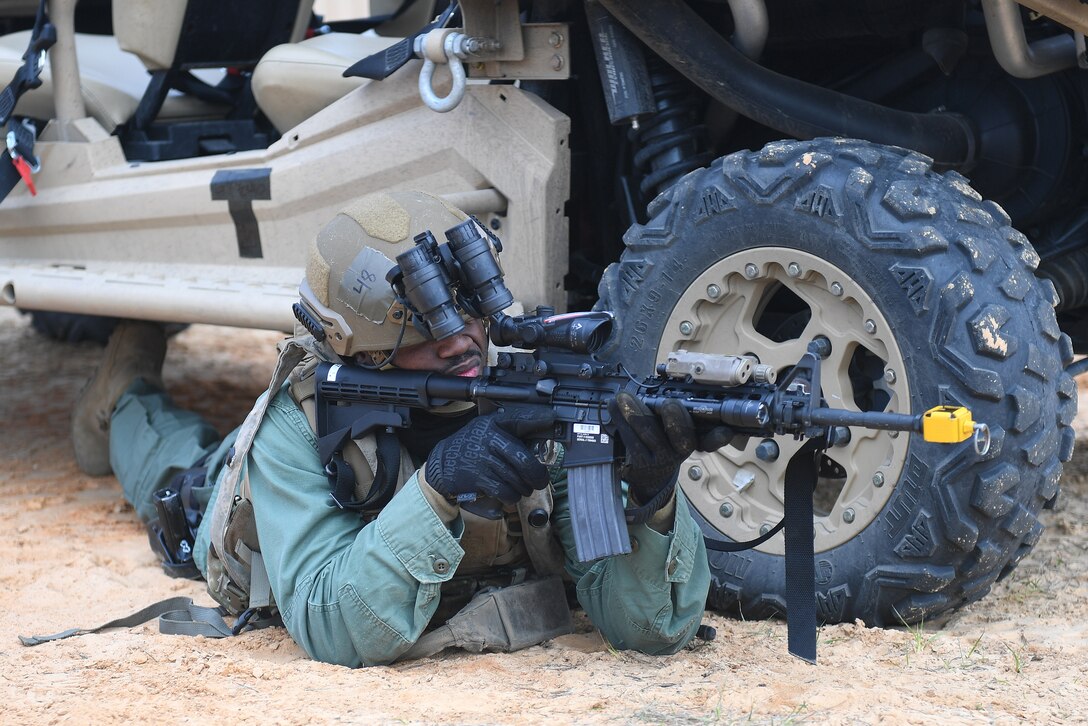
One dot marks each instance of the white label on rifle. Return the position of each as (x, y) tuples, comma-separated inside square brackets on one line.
[(332, 372), (588, 433)]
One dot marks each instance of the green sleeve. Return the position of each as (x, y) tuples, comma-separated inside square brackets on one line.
[(349, 594), (650, 600)]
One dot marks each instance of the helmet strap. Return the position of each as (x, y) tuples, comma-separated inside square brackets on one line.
[(381, 358)]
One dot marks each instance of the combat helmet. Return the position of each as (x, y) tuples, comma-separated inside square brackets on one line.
[(345, 290)]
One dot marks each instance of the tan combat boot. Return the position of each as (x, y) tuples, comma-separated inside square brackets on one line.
[(136, 350)]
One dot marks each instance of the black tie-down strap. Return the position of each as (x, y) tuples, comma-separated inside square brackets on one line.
[(177, 616), (17, 161), (384, 63), (801, 477)]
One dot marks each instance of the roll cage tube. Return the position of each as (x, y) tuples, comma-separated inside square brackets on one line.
[(795, 108)]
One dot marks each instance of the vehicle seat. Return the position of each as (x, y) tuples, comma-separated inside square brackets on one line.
[(294, 81), (128, 77), (112, 81)]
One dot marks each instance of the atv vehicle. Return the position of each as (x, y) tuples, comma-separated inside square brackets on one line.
[(607, 142)]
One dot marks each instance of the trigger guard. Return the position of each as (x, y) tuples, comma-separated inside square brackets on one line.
[(546, 452)]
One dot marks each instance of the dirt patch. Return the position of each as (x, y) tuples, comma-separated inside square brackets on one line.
[(73, 554)]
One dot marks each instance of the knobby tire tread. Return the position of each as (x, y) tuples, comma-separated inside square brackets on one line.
[(934, 254)]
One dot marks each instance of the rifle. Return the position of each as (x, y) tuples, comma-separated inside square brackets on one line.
[(563, 375), (557, 368)]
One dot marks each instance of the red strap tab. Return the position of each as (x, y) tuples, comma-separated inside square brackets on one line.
[(24, 171)]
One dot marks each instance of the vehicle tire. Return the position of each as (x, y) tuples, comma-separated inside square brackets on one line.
[(73, 327), (928, 297), (80, 328)]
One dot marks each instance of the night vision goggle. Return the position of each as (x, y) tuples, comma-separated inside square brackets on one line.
[(436, 281), (439, 284)]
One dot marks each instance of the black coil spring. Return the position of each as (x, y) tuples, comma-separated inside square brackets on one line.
[(671, 142)]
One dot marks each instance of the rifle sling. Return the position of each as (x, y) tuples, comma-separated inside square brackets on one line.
[(801, 477)]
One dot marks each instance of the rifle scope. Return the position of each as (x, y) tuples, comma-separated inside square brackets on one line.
[(576, 332)]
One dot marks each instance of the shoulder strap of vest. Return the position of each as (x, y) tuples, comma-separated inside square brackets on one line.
[(294, 350)]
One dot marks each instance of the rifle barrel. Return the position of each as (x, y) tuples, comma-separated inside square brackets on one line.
[(867, 419)]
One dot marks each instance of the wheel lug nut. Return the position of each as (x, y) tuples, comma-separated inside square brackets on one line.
[(848, 516), (687, 328), (878, 479), (695, 473), (764, 529), (713, 292), (751, 271), (870, 327), (767, 450), (889, 375), (836, 289), (726, 510), (793, 269)]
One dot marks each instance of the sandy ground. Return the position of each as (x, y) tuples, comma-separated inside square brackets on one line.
[(73, 554)]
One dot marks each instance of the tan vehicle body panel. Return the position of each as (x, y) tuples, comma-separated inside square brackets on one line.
[(109, 237), (147, 240)]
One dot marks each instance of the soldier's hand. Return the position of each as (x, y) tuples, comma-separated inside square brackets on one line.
[(489, 458), (657, 444)]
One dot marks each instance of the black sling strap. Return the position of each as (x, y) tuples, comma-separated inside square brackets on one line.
[(342, 478), (718, 546), (18, 159), (801, 476), (177, 616)]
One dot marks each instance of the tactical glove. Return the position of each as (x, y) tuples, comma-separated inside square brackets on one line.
[(487, 458), (656, 445)]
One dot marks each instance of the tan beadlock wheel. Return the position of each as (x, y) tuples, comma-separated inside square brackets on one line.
[(770, 303), (926, 295)]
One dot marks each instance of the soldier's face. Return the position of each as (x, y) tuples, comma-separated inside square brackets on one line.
[(457, 355)]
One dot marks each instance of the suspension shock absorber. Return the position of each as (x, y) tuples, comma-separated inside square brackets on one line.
[(660, 105), (672, 141), (1068, 273)]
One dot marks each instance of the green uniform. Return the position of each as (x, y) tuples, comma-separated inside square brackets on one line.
[(361, 595)]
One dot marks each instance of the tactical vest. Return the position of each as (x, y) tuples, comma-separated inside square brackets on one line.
[(498, 552)]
